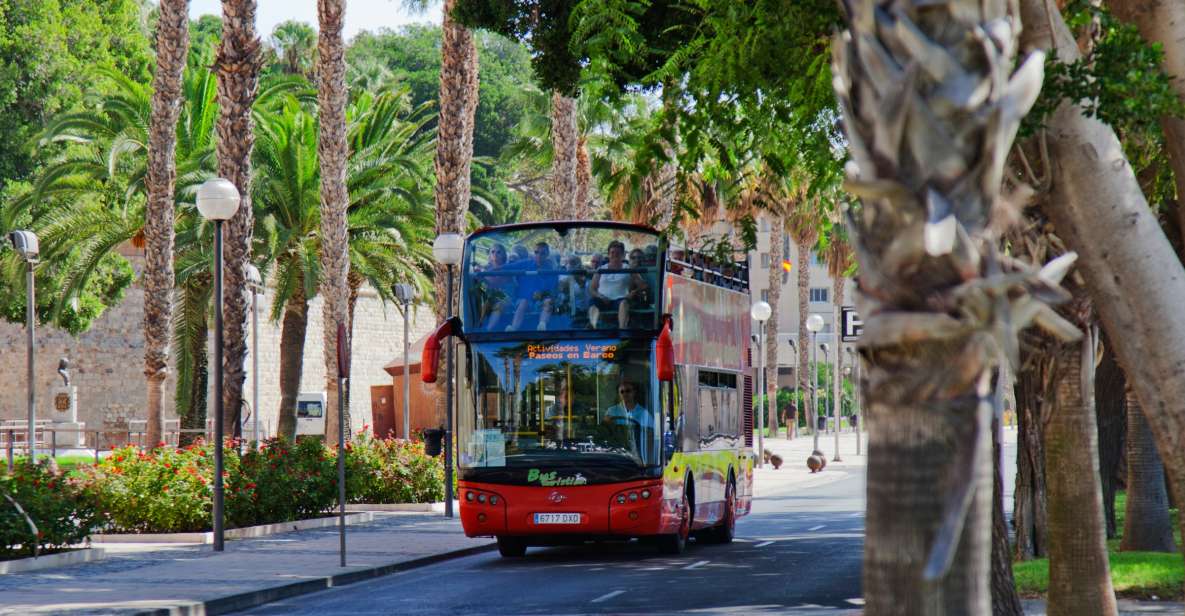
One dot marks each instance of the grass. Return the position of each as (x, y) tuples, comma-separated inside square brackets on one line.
[(64, 462), (1135, 575)]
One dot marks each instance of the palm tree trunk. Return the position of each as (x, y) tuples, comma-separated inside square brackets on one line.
[(564, 159), (1005, 600), (454, 144), (332, 151), (292, 339), (1030, 502), (172, 45), (1079, 573), (583, 181), (1147, 526), (238, 63), (1135, 277), (807, 379), (777, 231), (920, 232), (1112, 418), (1163, 22)]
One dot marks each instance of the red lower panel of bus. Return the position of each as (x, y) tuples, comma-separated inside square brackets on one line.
[(494, 509)]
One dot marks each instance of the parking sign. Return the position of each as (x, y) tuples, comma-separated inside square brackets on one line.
[(852, 325)]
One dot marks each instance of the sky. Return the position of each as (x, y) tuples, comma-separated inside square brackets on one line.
[(360, 14)]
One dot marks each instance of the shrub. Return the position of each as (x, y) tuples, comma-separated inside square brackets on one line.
[(282, 482), (162, 491), (391, 471), (61, 510)]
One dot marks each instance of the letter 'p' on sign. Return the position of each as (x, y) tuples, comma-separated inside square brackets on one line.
[(852, 325)]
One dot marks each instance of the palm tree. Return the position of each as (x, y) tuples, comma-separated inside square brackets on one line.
[(238, 64), (838, 255), (565, 161), (172, 43), (296, 44), (804, 220), (333, 151), (941, 308), (1146, 526), (389, 222)]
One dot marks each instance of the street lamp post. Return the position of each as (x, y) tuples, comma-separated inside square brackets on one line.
[(447, 250), (217, 200), (760, 313), (26, 245), (835, 401), (856, 393), (814, 323), (255, 285), (794, 391), (404, 293)]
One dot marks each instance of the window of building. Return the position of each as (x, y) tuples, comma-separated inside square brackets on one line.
[(819, 294), (764, 260), (764, 224), (815, 259), (765, 295)]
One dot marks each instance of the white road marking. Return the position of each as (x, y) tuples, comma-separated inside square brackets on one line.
[(814, 528), (697, 564), (607, 596), (763, 544)]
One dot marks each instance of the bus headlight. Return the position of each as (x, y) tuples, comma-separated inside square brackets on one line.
[(645, 493)]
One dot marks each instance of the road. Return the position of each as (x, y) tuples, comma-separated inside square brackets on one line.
[(798, 552)]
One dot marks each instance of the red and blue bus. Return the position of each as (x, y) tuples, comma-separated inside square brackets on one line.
[(604, 388)]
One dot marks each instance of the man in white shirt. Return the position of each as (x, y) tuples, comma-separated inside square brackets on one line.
[(630, 413)]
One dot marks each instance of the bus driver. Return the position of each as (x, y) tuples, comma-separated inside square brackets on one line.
[(630, 413)]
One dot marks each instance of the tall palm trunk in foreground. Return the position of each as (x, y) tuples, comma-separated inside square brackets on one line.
[(1079, 575), (1146, 526), (332, 152), (454, 142), (1134, 277), (238, 77), (930, 110), (172, 45), (564, 157)]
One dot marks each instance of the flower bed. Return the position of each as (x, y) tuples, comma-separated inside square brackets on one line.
[(169, 490), (59, 507)]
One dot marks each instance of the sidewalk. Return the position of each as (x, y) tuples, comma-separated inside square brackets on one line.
[(140, 579)]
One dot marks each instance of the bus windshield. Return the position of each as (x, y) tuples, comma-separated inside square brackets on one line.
[(561, 278), (575, 401)]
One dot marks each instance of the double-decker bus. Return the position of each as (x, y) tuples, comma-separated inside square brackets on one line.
[(603, 388)]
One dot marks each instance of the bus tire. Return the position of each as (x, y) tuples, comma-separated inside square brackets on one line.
[(675, 543), (726, 529), (511, 547)]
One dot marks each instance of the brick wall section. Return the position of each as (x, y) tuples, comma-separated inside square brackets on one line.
[(107, 361)]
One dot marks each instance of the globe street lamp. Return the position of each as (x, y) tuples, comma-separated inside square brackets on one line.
[(25, 244), (405, 293), (447, 249), (217, 200), (814, 323), (760, 312), (255, 285)]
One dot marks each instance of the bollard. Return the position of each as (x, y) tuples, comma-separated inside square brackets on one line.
[(95, 444), (11, 445), (53, 443)]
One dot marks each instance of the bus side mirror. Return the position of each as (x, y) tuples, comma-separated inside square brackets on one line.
[(664, 353), (430, 361), (668, 445)]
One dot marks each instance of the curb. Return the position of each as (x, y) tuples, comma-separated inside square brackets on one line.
[(246, 532), (254, 598), (61, 559)]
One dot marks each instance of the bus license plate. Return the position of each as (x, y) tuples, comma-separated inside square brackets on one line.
[(557, 518)]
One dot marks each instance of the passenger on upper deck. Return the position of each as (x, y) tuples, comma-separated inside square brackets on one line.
[(574, 287), (536, 289), (497, 289), (617, 290)]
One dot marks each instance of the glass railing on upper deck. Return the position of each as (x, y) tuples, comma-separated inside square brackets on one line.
[(561, 277)]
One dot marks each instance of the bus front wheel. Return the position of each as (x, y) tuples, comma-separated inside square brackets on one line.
[(675, 543), (511, 547)]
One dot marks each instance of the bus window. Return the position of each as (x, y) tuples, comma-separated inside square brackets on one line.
[(525, 404)]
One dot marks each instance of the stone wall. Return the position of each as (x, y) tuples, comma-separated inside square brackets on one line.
[(107, 362)]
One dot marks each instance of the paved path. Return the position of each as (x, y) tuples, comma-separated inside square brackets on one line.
[(182, 579)]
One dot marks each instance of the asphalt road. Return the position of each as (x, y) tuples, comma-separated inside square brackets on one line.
[(798, 552)]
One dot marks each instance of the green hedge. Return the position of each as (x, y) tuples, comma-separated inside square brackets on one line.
[(57, 504), (169, 490)]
